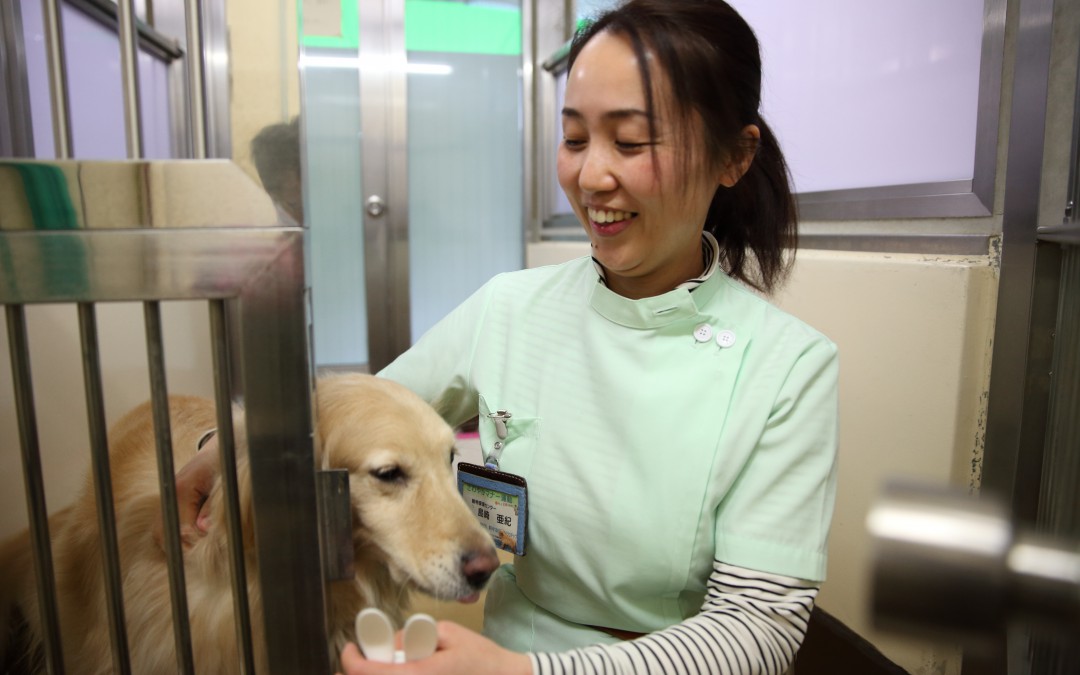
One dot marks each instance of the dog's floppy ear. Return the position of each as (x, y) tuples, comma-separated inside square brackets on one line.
[(194, 481)]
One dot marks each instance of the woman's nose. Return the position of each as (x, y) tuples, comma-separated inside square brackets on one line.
[(596, 172)]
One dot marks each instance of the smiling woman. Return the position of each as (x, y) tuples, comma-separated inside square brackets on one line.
[(619, 159), (671, 154), (616, 163), (582, 374)]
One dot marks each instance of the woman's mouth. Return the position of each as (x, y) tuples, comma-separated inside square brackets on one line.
[(607, 222)]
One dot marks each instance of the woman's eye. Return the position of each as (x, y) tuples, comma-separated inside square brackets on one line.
[(573, 143), (389, 474), (626, 145)]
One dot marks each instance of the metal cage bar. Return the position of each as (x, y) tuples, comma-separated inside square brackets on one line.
[(99, 450), (129, 75), (35, 488), (193, 15), (259, 272), (159, 394), (227, 445), (58, 84)]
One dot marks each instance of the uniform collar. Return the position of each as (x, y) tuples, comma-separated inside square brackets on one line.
[(710, 255), (684, 302)]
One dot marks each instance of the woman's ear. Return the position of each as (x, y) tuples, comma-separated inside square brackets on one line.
[(739, 162)]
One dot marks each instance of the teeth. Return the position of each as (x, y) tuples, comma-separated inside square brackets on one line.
[(599, 216)]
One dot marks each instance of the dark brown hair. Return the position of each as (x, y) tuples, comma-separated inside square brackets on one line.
[(275, 151), (713, 63)]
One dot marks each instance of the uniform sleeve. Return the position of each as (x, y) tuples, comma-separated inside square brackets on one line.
[(776, 515), (752, 623), (437, 367)]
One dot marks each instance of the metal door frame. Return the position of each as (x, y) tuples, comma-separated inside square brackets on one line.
[(1026, 371), (384, 166)]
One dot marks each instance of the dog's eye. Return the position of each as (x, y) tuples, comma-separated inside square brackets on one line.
[(389, 474)]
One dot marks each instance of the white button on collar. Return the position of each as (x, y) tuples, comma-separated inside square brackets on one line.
[(703, 332), (725, 338)]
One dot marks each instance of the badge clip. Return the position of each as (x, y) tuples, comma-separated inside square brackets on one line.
[(500, 418)]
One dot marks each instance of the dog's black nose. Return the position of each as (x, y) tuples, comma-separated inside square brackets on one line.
[(478, 566)]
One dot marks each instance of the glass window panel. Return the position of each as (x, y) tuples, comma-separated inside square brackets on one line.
[(465, 177), (95, 91), (334, 209)]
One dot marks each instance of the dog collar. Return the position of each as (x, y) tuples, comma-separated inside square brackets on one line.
[(205, 438)]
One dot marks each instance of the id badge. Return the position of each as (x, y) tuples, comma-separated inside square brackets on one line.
[(499, 501)]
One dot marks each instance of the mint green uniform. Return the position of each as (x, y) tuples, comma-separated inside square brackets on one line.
[(648, 451)]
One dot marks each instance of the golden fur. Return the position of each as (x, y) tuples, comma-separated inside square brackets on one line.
[(410, 532)]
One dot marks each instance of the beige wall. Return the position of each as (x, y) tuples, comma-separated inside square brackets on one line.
[(263, 67), (914, 334)]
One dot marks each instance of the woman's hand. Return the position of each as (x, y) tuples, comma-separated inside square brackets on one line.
[(193, 484), (460, 651)]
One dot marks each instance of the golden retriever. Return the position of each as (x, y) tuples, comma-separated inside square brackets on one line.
[(411, 530)]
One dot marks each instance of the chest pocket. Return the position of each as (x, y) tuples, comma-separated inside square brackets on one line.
[(507, 437)]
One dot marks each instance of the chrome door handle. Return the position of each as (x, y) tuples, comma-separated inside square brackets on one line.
[(375, 206)]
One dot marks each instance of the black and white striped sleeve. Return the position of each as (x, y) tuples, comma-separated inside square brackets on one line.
[(751, 623)]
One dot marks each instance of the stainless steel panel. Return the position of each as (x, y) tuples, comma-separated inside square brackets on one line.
[(179, 141), (1072, 205), (987, 122), (16, 135), (385, 174), (335, 524), (552, 26), (929, 244), (113, 195), (1027, 295), (277, 389), (1058, 516), (1016, 415), (216, 75), (1059, 507), (529, 86), (952, 199)]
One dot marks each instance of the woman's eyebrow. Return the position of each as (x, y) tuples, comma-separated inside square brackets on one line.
[(621, 113)]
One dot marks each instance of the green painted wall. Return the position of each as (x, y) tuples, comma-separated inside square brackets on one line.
[(433, 26)]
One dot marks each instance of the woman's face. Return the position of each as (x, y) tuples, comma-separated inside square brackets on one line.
[(643, 216)]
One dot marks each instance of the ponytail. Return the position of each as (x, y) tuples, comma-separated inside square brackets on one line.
[(712, 61), (756, 219)]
